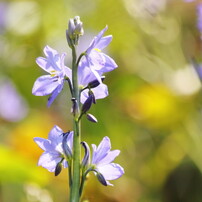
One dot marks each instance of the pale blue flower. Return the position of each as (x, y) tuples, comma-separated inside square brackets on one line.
[(53, 83), (102, 159), (96, 60), (53, 149), (85, 76)]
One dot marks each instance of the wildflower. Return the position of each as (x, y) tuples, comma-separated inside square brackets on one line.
[(96, 60), (54, 154), (53, 83), (102, 162), (86, 77)]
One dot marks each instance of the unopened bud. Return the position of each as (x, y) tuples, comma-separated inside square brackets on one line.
[(101, 179), (91, 118), (75, 29), (58, 169), (87, 104), (86, 157)]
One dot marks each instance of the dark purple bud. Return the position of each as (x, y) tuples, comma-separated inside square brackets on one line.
[(91, 118), (95, 83), (93, 96), (86, 158), (101, 179), (58, 169), (87, 104), (65, 147)]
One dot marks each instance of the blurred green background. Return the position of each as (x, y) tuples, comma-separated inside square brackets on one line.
[(152, 114)]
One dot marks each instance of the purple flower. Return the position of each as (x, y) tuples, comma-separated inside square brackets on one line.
[(85, 76), (53, 149), (102, 161), (53, 83), (97, 61)]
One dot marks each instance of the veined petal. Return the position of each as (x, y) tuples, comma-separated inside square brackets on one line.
[(85, 75), (109, 158), (49, 160), (109, 64), (53, 58), (55, 135), (54, 94), (96, 40), (111, 171), (104, 42), (44, 85), (100, 91), (43, 143), (102, 150), (68, 72), (45, 64), (48, 51)]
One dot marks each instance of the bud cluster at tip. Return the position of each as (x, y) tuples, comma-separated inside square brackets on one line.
[(74, 31)]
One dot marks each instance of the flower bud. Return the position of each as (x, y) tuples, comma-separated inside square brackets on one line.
[(75, 106), (75, 29), (86, 158), (78, 26), (101, 179), (71, 28), (58, 169), (87, 104), (91, 118)]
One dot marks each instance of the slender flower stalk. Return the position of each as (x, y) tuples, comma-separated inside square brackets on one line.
[(74, 195)]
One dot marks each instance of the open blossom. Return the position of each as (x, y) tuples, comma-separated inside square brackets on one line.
[(85, 76), (102, 161), (53, 83), (96, 60), (53, 149)]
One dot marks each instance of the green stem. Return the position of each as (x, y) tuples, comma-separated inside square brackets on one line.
[(74, 189)]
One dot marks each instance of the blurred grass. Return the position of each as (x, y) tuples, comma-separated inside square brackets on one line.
[(152, 114)]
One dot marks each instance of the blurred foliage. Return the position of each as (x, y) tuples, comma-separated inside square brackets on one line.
[(152, 114)]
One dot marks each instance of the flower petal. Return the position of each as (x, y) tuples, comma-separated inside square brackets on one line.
[(96, 40), (85, 75), (53, 58), (102, 150), (109, 64), (55, 135), (44, 85), (55, 94), (49, 160), (100, 91), (44, 64), (108, 158), (104, 42), (111, 171), (43, 143)]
